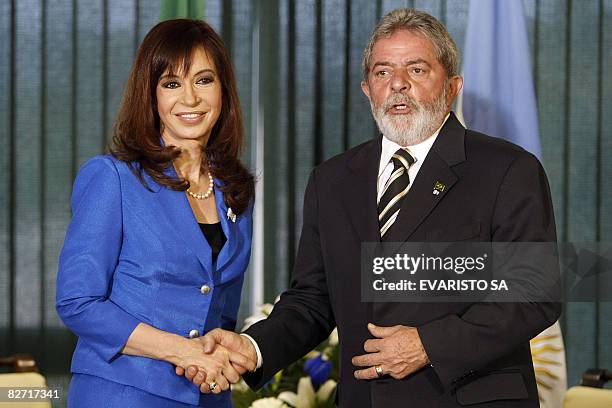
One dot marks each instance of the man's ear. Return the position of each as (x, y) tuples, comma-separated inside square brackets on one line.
[(365, 88), (454, 87)]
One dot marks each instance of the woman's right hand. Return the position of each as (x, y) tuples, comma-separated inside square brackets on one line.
[(214, 368)]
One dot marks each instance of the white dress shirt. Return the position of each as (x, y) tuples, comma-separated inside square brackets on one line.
[(419, 153)]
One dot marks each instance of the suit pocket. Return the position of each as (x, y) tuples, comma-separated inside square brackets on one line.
[(455, 233), (503, 385)]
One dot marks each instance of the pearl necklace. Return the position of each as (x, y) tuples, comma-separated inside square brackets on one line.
[(208, 192)]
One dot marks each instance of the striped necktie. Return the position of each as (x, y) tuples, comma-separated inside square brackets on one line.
[(394, 190)]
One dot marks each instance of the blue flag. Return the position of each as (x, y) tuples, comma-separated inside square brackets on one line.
[(499, 99), (498, 93)]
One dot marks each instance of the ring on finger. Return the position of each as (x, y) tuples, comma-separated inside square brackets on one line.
[(379, 371), (212, 385)]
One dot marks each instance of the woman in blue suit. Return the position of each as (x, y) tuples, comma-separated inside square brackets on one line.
[(160, 237)]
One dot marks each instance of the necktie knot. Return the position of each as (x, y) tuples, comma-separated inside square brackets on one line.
[(403, 158)]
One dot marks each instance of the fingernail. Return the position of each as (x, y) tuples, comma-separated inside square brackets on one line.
[(191, 370)]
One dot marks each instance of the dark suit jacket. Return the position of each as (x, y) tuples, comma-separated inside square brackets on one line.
[(495, 191)]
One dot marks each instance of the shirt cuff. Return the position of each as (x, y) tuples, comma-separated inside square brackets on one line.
[(259, 357)]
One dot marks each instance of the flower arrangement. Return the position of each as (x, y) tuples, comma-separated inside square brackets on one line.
[(308, 383)]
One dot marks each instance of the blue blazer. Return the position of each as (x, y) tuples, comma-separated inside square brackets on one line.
[(132, 255)]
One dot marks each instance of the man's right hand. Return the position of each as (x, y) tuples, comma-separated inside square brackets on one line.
[(234, 342)]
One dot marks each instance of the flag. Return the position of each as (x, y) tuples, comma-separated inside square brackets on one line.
[(498, 94), (548, 356), (499, 99)]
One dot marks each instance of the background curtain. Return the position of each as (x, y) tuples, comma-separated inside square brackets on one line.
[(63, 65), (181, 9)]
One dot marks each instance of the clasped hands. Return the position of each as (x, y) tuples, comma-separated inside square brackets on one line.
[(396, 351), (226, 356)]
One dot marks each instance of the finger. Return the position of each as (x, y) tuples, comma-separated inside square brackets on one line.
[(366, 374), (240, 369), (179, 371), (242, 360), (199, 378), (222, 385), (205, 388), (231, 374), (191, 372), (220, 336), (373, 345), (382, 331), (209, 342), (367, 360)]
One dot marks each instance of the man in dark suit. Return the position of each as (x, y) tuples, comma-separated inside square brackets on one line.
[(411, 354)]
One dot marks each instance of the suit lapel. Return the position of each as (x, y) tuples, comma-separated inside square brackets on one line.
[(436, 171), (229, 228), (183, 222), (174, 209), (359, 191), (180, 218)]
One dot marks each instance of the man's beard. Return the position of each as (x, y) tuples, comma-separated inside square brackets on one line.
[(423, 119)]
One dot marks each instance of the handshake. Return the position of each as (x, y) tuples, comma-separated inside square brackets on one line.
[(227, 355), (221, 357)]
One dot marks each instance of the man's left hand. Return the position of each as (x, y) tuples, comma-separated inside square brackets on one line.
[(397, 350)]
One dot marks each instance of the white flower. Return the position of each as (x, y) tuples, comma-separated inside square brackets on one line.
[(268, 403), (240, 386), (305, 397), (325, 390), (333, 338), (266, 309), (264, 312), (332, 343)]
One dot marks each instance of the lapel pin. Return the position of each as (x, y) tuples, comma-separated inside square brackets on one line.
[(230, 215), (438, 188)]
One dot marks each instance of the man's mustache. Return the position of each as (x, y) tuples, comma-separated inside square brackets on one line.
[(399, 99)]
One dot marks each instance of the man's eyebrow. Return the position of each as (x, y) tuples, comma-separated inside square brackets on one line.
[(410, 62), (382, 63), (417, 61)]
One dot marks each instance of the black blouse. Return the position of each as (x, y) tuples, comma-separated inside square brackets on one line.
[(215, 237)]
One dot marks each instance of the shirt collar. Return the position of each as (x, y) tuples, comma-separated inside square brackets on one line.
[(418, 151)]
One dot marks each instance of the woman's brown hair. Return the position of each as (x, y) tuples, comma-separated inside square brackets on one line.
[(168, 47)]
